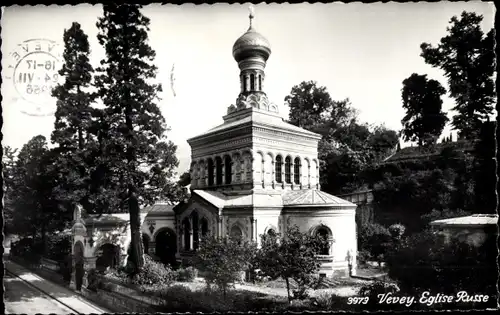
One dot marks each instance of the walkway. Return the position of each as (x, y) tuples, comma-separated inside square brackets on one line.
[(27, 293)]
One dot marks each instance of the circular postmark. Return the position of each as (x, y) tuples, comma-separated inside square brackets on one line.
[(33, 71)]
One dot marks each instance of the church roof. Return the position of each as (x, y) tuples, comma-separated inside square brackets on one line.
[(313, 197), (159, 209), (304, 197), (256, 117), (471, 220)]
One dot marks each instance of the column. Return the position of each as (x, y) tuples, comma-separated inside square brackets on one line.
[(219, 226), (309, 175), (247, 82), (283, 176), (252, 224), (190, 233), (152, 248)]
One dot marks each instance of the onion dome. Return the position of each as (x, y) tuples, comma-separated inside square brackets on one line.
[(251, 44)]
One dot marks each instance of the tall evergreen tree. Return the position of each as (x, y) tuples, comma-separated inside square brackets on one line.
[(8, 171), (137, 160), (468, 60), (73, 125), (424, 120)]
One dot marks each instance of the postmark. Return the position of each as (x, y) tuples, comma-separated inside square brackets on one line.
[(32, 72)]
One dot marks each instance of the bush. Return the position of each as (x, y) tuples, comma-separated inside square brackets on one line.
[(373, 290), (154, 272), (374, 239), (28, 248), (58, 246), (424, 262), (397, 230), (186, 274), (93, 280)]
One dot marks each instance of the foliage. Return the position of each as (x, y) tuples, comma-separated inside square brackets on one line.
[(424, 120), (467, 58), (154, 272), (293, 256), (405, 190), (374, 239), (27, 248), (59, 246), (347, 146), (373, 292), (180, 298), (397, 230), (9, 168), (136, 161), (186, 274), (426, 262), (74, 126), (484, 170), (223, 259)]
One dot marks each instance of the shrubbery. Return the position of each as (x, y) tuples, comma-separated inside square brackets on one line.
[(154, 272), (186, 274), (425, 262), (374, 240)]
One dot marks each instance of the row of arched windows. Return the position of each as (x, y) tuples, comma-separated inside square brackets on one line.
[(288, 170), (251, 82), (224, 170)]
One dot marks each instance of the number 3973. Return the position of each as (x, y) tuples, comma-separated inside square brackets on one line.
[(357, 300), (37, 89)]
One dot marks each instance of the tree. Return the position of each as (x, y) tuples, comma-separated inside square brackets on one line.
[(424, 120), (292, 257), (74, 120), (223, 259), (136, 160), (467, 58), (9, 168), (484, 170), (312, 108)]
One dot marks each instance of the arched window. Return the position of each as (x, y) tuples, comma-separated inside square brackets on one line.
[(296, 170), (210, 166), (227, 169), (187, 231), (279, 163), (236, 234), (288, 169), (218, 170), (260, 82), (271, 232), (204, 227), (252, 82), (324, 233), (196, 232)]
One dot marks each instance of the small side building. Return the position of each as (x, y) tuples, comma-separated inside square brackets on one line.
[(473, 229)]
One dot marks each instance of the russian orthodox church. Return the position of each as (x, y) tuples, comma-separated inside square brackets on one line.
[(251, 175)]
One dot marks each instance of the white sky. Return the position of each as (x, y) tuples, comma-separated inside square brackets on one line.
[(360, 51)]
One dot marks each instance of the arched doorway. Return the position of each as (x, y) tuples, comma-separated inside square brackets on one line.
[(166, 246), (108, 255)]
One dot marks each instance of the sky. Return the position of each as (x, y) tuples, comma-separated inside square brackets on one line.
[(358, 51)]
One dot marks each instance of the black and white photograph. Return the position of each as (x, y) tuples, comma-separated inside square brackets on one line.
[(249, 157)]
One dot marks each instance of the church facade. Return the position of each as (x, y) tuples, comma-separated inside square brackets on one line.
[(253, 174)]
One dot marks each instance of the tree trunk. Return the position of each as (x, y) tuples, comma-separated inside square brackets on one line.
[(137, 251), (288, 290)]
